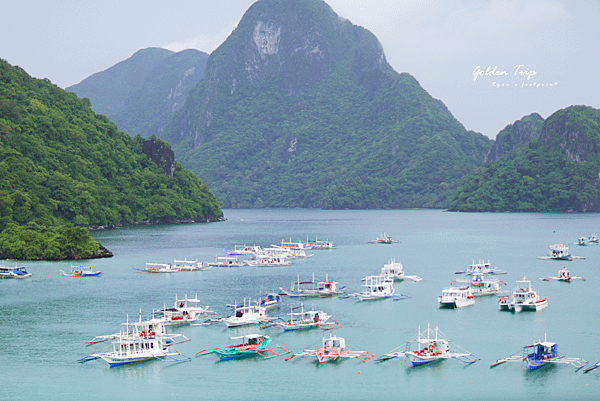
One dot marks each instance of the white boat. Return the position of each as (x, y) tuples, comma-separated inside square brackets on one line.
[(294, 245), (395, 271), (523, 298), (318, 244), (140, 341), (271, 300), (481, 267), (247, 314), (456, 296), (158, 268), (313, 288), (563, 275), (542, 353), (225, 261), (376, 287), (185, 311), (276, 250), (432, 346), (81, 271), (189, 265), (593, 239), (268, 260), (384, 239), (333, 348), (481, 285), (305, 319), (245, 250), (14, 272), (559, 252)]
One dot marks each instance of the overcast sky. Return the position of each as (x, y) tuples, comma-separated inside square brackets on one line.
[(442, 43)]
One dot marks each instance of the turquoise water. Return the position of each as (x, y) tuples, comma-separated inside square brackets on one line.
[(46, 319)]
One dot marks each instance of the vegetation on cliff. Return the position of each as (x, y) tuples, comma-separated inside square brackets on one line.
[(557, 172), (62, 165)]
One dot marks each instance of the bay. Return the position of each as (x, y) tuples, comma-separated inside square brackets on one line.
[(46, 319)]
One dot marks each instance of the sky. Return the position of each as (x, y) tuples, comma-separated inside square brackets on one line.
[(491, 62)]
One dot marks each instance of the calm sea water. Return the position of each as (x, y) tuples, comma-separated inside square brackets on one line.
[(45, 320)]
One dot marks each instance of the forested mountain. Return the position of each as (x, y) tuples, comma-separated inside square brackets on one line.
[(63, 165), (141, 94), (516, 136), (299, 107), (559, 171)]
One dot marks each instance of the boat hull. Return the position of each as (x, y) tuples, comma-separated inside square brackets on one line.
[(417, 360)]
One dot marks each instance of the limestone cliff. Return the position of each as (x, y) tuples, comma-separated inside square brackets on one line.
[(516, 136)]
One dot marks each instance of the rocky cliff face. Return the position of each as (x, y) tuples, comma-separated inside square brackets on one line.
[(516, 136), (159, 152)]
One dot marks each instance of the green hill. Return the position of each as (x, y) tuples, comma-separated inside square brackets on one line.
[(299, 108), (62, 165), (556, 172), (141, 94)]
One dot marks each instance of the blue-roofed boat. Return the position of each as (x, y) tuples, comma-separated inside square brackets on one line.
[(13, 272), (80, 271)]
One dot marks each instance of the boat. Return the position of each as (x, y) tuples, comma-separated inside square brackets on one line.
[(333, 348), (269, 301), (523, 298), (582, 241), (305, 319), (225, 261), (268, 260), (80, 271), (189, 265), (294, 245), (395, 271), (139, 341), (481, 267), (245, 250), (481, 285), (276, 250), (312, 288), (185, 311), (563, 275), (158, 268), (245, 346), (456, 296), (593, 239), (432, 345), (247, 314), (318, 244), (377, 287), (384, 239), (541, 353), (559, 252), (14, 272)]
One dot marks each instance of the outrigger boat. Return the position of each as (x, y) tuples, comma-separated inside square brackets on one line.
[(542, 353), (559, 252), (14, 272), (245, 346), (377, 287), (305, 320), (271, 300), (593, 239), (245, 250), (276, 250), (333, 348), (318, 244), (384, 239), (224, 261), (563, 275), (432, 346), (312, 288), (523, 297), (268, 260), (482, 286), (185, 311), (154, 325), (158, 268), (395, 271), (80, 271), (456, 296), (481, 267), (189, 265), (247, 314), (138, 342)]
